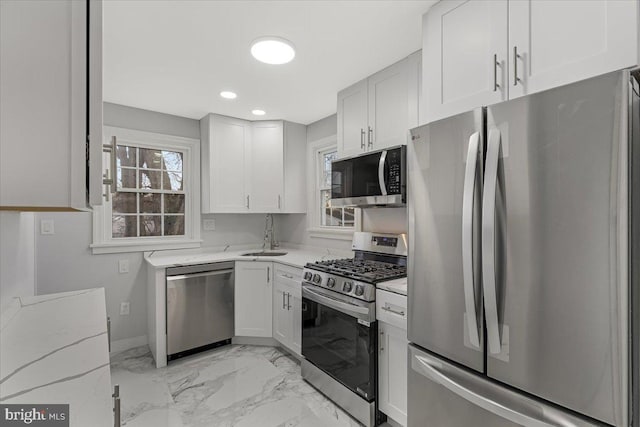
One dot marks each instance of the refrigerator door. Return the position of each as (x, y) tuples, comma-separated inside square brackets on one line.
[(441, 394), (445, 187), (555, 246)]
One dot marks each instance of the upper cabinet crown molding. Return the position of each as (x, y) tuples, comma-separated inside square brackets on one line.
[(377, 112), (252, 167), (478, 53), (51, 105)]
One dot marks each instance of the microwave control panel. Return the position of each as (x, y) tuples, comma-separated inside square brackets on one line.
[(394, 162)]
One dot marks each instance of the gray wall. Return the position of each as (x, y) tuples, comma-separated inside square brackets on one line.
[(64, 261), (17, 256)]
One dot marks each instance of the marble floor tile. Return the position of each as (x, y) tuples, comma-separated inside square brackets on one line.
[(232, 386)]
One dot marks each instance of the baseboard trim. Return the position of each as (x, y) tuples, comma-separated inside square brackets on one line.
[(128, 344), (265, 341)]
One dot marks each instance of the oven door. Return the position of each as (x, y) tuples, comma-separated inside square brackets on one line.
[(339, 337)]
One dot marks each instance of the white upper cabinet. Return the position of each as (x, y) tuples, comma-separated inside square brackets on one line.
[(377, 112), (553, 43), (45, 69), (464, 56), (252, 167), (478, 53), (266, 167)]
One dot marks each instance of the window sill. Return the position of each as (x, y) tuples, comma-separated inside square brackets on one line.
[(120, 247), (328, 233)]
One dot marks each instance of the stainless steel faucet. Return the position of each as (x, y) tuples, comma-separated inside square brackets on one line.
[(269, 234)]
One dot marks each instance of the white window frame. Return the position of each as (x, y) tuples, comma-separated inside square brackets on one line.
[(315, 229), (103, 242)]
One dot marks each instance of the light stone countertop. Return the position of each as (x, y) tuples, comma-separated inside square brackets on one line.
[(54, 350), (398, 286)]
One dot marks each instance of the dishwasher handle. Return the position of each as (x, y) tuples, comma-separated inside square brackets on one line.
[(192, 276)]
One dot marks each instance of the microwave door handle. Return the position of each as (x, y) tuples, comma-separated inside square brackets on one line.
[(381, 179)]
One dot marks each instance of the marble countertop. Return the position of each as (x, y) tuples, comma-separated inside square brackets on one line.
[(53, 350), (399, 286), (294, 257)]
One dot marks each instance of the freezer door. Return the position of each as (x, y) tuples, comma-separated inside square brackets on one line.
[(441, 394), (555, 246), (445, 187)]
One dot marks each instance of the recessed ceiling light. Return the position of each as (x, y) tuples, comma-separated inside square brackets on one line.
[(258, 112), (273, 50), (228, 94)]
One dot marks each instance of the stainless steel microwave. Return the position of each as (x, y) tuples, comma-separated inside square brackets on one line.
[(373, 179)]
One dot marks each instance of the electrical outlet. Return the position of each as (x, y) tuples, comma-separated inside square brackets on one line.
[(46, 226), (123, 266), (124, 308), (209, 224)]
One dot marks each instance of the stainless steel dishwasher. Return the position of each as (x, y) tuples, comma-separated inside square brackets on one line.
[(199, 307)]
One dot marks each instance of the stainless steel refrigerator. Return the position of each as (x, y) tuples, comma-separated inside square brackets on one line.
[(524, 259)]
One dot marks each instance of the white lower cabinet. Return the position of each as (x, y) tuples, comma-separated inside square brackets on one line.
[(287, 307), (253, 296), (392, 355)]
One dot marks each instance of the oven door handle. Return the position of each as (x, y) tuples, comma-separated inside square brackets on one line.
[(341, 306)]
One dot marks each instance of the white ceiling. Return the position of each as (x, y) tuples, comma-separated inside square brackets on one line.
[(176, 56)]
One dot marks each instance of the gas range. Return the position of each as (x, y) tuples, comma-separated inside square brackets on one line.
[(378, 257)]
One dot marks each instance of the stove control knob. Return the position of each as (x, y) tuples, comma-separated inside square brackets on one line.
[(347, 286), (331, 282), (359, 290), (317, 278), (307, 275)]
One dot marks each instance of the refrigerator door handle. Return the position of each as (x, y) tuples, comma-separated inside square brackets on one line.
[(381, 180), (467, 239), (489, 243), (527, 415)]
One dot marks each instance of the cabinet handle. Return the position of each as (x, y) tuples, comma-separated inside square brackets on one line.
[(116, 405), (247, 202), (390, 310), (381, 341), (288, 301), (496, 64), (283, 306), (109, 331), (279, 201), (268, 274), (288, 276), (370, 137), (515, 65), (362, 138)]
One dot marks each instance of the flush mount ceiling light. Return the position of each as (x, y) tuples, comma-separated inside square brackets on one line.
[(227, 94), (273, 50), (258, 112)]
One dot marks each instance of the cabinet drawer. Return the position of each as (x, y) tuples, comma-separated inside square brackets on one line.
[(391, 308), (291, 277)]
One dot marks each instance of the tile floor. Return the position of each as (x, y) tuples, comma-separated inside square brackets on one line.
[(236, 385)]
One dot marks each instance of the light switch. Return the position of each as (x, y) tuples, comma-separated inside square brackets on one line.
[(123, 266), (209, 224), (46, 226)]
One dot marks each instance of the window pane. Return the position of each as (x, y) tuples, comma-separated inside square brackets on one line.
[(150, 202), (150, 225), (124, 203), (172, 181), (126, 156), (150, 159), (172, 161), (124, 226), (174, 203), (150, 179), (326, 172), (126, 178), (174, 225)]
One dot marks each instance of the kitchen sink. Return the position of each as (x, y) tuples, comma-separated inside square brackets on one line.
[(265, 253)]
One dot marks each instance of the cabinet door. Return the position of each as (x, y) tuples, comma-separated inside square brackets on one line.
[(282, 322), (392, 371), (464, 56), (388, 107), (43, 107), (352, 119), (562, 41), (296, 315), (253, 299), (266, 167), (225, 165)]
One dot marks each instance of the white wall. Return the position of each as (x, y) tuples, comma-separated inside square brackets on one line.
[(64, 261), (17, 256)]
